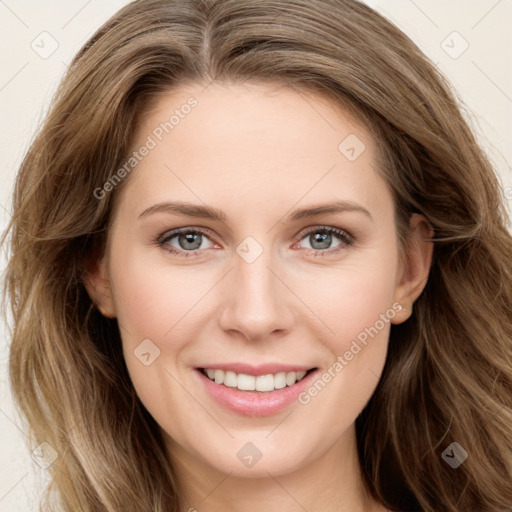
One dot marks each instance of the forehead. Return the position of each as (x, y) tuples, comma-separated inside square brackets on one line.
[(249, 113), (252, 144)]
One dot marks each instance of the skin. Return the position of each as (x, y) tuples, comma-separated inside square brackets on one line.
[(257, 152)]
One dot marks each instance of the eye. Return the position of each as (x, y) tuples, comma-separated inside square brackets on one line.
[(193, 241), (321, 239), (185, 240)]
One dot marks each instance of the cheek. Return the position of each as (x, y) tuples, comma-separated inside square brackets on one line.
[(153, 303), (358, 308), (351, 299), (151, 297)]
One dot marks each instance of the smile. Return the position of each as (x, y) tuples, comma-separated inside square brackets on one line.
[(268, 391), (244, 382)]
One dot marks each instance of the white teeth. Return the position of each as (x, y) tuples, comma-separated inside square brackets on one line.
[(300, 375), (246, 382), (291, 377), (280, 380), (230, 379), (219, 376), (263, 383)]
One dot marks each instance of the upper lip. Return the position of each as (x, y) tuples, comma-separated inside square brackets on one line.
[(255, 370)]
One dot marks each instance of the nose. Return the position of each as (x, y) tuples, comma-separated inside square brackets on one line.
[(257, 302)]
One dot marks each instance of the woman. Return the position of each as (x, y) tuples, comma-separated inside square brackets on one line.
[(258, 261)]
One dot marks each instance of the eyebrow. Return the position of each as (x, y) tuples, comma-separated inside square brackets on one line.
[(208, 212)]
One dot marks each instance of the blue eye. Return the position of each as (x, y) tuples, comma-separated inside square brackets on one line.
[(188, 241), (191, 241), (320, 239)]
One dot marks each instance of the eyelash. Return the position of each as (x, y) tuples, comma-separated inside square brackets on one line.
[(345, 238)]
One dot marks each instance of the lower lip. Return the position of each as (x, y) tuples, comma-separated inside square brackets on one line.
[(256, 403)]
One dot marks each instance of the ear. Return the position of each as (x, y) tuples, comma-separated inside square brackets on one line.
[(97, 284), (414, 270)]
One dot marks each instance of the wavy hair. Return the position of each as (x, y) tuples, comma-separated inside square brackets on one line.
[(448, 373)]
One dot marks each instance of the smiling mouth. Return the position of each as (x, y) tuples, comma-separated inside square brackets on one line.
[(262, 383)]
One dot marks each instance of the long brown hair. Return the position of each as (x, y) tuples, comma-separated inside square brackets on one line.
[(448, 374)]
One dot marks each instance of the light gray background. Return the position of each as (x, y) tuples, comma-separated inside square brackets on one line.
[(29, 76)]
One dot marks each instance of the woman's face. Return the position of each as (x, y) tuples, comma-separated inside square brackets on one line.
[(287, 262)]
